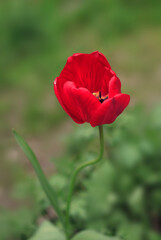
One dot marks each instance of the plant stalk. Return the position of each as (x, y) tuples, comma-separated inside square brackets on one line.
[(75, 174)]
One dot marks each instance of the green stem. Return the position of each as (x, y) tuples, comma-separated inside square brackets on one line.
[(76, 172)]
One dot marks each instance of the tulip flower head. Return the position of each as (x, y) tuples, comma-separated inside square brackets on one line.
[(89, 90)]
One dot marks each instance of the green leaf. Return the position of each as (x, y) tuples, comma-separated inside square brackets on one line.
[(47, 231), (50, 193), (92, 235)]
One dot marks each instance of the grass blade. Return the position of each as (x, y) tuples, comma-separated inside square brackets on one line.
[(50, 193)]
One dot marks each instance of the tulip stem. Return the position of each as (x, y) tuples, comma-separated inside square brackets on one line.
[(75, 174)]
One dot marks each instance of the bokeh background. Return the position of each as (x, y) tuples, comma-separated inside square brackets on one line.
[(123, 197)]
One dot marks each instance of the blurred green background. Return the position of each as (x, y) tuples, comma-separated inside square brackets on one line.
[(123, 197)]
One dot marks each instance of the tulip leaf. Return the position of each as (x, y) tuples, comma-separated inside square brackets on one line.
[(92, 235), (47, 231), (49, 191)]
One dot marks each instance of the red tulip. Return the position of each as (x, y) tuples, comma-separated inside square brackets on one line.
[(89, 90)]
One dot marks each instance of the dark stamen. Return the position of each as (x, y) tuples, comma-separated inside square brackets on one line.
[(105, 98), (99, 94)]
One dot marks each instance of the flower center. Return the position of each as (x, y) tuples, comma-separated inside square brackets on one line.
[(100, 97)]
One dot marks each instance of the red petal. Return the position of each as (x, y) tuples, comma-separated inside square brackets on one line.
[(114, 86), (80, 101), (105, 83), (64, 104), (85, 70), (57, 94), (101, 58), (110, 109)]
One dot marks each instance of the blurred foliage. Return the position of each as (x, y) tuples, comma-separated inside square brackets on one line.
[(120, 196), (123, 196), (48, 231), (16, 224)]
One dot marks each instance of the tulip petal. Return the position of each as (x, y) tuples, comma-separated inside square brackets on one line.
[(81, 102), (109, 74), (101, 58), (114, 86), (65, 106), (85, 70), (110, 109)]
